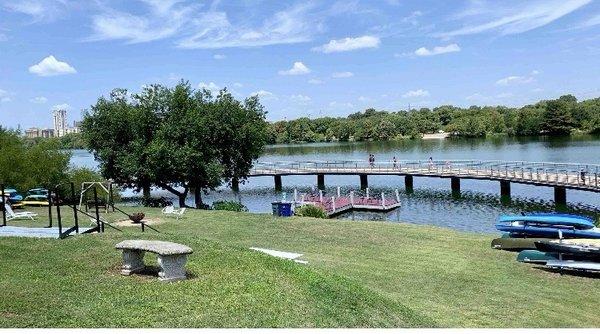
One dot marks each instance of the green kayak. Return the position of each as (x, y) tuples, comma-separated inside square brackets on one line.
[(536, 256), (516, 244)]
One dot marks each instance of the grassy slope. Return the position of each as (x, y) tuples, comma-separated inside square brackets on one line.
[(359, 274)]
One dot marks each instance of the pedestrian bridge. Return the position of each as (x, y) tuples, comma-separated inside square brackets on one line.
[(560, 176)]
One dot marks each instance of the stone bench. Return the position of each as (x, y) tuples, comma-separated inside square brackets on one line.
[(171, 257)]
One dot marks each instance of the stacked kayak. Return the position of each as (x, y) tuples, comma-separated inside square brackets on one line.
[(548, 225)]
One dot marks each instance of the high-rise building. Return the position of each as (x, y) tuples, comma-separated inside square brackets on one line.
[(60, 122), (33, 132)]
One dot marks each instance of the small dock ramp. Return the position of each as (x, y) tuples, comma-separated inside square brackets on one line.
[(40, 232)]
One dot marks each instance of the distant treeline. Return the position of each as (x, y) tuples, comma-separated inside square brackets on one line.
[(70, 141), (549, 117)]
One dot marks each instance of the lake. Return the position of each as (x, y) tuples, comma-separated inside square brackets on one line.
[(432, 202)]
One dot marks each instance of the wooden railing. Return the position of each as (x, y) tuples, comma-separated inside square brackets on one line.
[(574, 175)]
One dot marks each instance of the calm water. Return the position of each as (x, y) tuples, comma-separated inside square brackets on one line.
[(432, 202)]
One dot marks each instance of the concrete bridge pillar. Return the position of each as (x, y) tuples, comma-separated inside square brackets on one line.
[(560, 196), (408, 183), (364, 182), (505, 189), (321, 181), (278, 184), (455, 185)]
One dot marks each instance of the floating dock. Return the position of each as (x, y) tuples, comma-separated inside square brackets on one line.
[(336, 205)]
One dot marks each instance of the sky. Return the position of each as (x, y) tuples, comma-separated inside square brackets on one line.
[(303, 58)]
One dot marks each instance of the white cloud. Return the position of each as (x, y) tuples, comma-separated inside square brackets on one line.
[(364, 99), (301, 99), (219, 56), (591, 22), (39, 100), (211, 87), (315, 81), (512, 18), (349, 44), (62, 106), (416, 93), (514, 79), (3, 37), (264, 94), (38, 10), (5, 96), (194, 26), (51, 66), (342, 75), (341, 105), (297, 69), (423, 51), (237, 84)]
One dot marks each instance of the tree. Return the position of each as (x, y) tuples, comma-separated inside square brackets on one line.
[(176, 138), (558, 119), (118, 131), (30, 165)]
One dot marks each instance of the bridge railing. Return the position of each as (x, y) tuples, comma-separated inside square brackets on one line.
[(586, 175)]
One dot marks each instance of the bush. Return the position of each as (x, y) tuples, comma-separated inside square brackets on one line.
[(311, 211), (229, 206)]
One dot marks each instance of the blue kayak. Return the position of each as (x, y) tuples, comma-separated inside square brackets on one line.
[(548, 226), (549, 220)]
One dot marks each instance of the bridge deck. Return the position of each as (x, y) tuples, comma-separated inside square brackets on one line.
[(572, 176)]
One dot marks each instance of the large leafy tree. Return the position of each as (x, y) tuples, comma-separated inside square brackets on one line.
[(178, 139), (558, 118)]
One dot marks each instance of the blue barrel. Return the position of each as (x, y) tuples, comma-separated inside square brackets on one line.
[(285, 209)]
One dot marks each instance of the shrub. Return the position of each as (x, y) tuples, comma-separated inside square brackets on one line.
[(229, 206), (311, 211)]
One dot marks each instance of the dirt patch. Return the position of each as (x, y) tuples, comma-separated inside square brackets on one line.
[(6, 314), (147, 221)]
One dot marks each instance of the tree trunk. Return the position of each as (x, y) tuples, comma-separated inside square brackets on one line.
[(146, 191), (180, 195), (182, 198), (198, 197)]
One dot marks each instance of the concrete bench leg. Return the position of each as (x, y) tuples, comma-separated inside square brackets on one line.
[(133, 261), (172, 267)]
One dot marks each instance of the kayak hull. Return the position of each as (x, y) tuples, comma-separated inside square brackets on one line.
[(516, 244), (536, 256), (578, 250), (574, 265), (549, 232)]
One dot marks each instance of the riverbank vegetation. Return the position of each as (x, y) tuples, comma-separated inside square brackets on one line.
[(179, 139), (552, 117), (359, 274), (25, 164)]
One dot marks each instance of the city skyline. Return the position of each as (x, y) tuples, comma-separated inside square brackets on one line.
[(313, 58)]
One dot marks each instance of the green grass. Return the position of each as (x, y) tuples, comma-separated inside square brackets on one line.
[(360, 274)]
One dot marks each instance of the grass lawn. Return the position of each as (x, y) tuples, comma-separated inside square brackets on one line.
[(360, 274)]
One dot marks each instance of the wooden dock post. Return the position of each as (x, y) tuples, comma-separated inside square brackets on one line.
[(367, 193), (397, 196), (321, 196), (278, 184), (338, 192), (295, 195), (383, 200), (333, 203), (364, 182), (352, 198), (321, 181)]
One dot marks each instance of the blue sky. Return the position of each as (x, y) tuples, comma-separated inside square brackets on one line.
[(304, 58)]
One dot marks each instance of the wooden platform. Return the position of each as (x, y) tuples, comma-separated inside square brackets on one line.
[(35, 232), (338, 205)]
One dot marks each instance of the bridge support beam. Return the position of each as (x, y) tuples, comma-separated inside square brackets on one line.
[(235, 184), (560, 196), (408, 183), (278, 184), (455, 185), (505, 192), (364, 182), (321, 181)]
